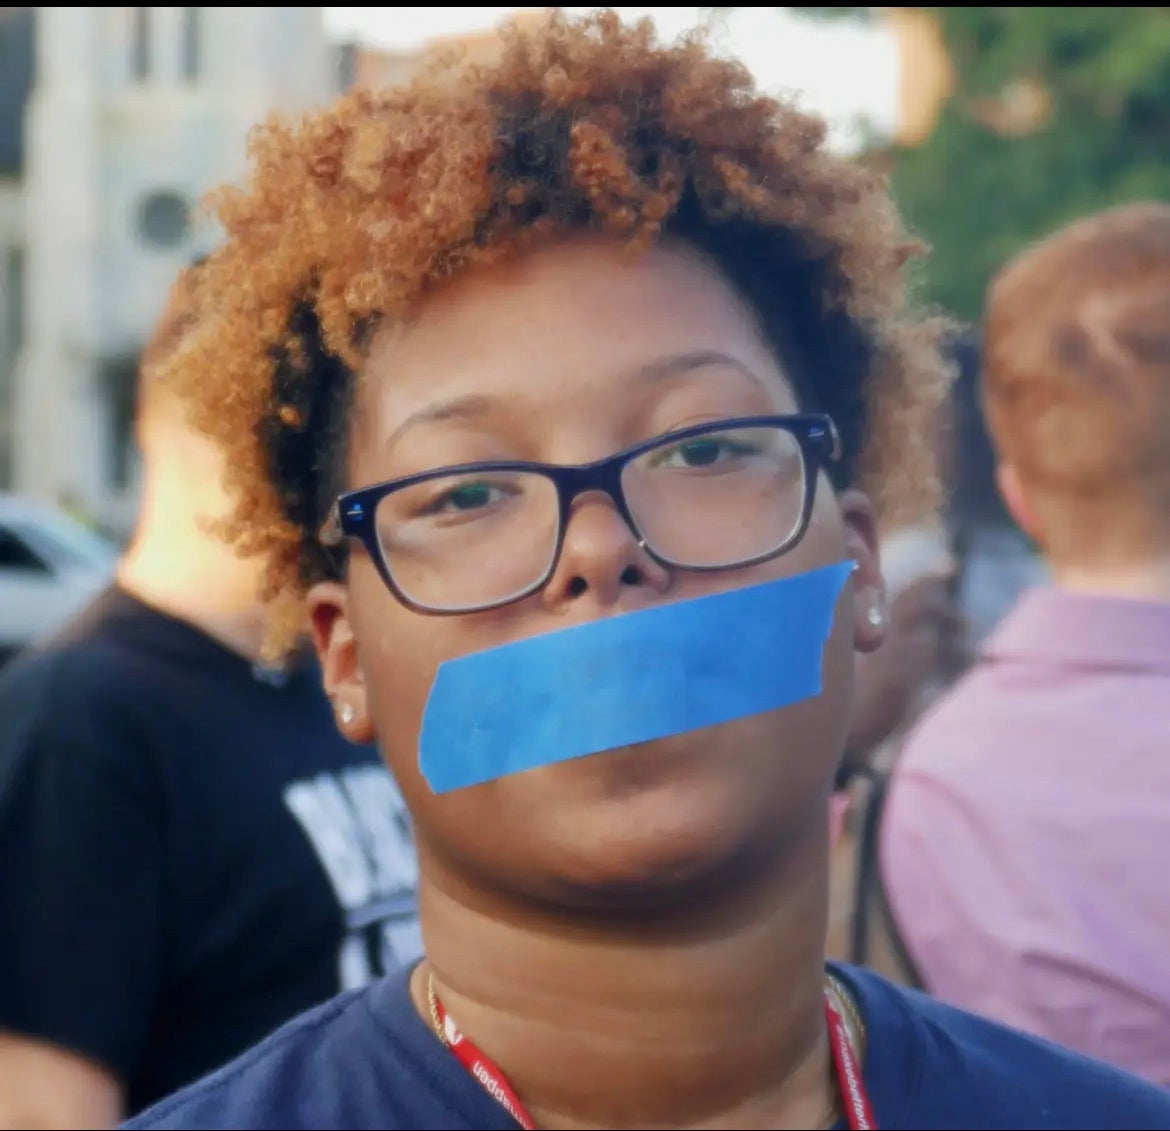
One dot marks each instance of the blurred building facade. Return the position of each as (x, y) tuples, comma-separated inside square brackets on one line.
[(125, 117), (16, 68)]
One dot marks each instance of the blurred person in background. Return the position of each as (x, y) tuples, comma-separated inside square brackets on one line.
[(190, 852), (934, 611), (996, 560), (924, 649), (1026, 835), (925, 645)]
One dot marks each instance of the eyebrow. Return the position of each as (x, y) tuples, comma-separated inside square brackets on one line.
[(680, 364), (476, 406)]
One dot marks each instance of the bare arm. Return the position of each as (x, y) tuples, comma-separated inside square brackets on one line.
[(46, 1088)]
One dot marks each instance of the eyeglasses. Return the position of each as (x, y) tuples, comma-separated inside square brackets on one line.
[(476, 536)]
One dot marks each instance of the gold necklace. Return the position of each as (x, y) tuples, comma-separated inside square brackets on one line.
[(854, 1023), (433, 1003)]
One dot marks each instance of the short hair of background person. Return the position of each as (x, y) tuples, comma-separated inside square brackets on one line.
[(179, 316), (1077, 391), (174, 550)]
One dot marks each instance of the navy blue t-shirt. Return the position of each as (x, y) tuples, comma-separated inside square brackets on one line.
[(191, 855), (367, 1060)]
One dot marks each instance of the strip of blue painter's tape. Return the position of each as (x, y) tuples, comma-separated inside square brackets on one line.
[(626, 679)]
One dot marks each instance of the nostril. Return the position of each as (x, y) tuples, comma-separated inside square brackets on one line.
[(631, 575)]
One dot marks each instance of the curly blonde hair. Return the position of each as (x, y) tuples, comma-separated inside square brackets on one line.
[(351, 214)]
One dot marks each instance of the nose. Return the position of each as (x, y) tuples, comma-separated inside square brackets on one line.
[(601, 557)]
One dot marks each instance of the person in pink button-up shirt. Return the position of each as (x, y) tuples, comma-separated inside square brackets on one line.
[(1025, 843)]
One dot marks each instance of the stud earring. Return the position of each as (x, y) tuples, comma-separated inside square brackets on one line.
[(345, 713), (875, 616)]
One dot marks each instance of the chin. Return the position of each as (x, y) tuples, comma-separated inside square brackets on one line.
[(654, 824)]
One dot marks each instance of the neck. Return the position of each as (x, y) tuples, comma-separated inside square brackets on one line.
[(177, 567), (712, 1019), (1148, 581)]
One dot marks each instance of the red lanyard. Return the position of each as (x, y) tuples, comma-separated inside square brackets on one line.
[(854, 1096)]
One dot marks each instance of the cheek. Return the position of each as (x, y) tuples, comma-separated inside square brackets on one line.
[(826, 527), (398, 652), (826, 715), (823, 542)]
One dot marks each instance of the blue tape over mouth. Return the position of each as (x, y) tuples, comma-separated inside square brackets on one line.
[(627, 679)]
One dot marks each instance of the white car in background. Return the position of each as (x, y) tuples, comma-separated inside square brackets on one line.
[(51, 565)]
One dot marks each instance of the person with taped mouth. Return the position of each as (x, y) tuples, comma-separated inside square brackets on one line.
[(564, 395)]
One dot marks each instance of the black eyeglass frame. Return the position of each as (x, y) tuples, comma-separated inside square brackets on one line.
[(353, 514)]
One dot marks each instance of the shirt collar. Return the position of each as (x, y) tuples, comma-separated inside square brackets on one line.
[(1051, 625)]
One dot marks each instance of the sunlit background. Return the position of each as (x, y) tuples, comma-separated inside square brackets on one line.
[(846, 71)]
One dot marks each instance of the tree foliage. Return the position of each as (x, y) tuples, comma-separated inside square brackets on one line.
[(1055, 112)]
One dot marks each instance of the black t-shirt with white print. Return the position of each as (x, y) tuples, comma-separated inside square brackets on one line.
[(190, 853)]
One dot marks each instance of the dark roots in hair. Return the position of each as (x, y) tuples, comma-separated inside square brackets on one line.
[(353, 214)]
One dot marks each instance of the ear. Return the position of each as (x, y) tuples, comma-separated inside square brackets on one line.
[(869, 588), (1012, 492), (336, 645)]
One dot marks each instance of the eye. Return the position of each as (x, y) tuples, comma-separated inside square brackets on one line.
[(466, 497), (702, 451)]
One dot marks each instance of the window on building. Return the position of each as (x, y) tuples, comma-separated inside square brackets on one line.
[(164, 219), (140, 43), (347, 66), (191, 43), (121, 389), (17, 65)]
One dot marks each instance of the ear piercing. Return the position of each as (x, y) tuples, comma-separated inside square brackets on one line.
[(346, 713), (875, 616)]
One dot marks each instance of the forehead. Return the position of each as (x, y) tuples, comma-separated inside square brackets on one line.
[(560, 324)]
